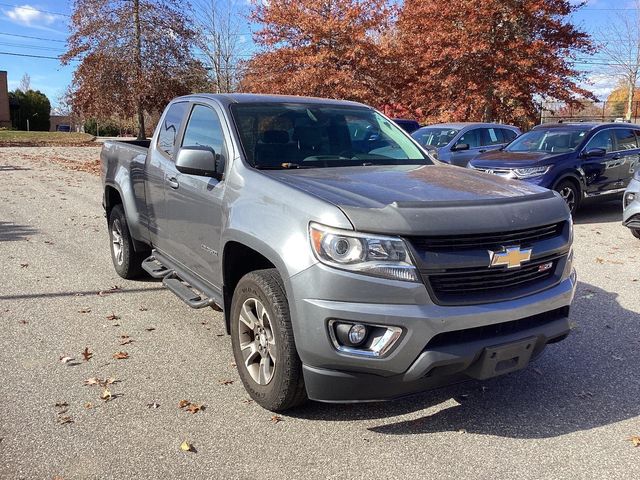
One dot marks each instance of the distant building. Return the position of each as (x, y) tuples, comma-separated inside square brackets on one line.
[(5, 115)]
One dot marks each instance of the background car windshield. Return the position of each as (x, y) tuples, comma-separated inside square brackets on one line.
[(434, 137), (313, 136), (553, 140)]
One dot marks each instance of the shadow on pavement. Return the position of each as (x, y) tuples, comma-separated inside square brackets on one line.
[(600, 212), (11, 232), (103, 293), (588, 381)]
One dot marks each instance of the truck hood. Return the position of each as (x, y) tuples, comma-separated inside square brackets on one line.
[(433, 199)]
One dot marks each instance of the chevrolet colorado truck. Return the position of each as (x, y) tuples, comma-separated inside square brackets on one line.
[(349, 264)]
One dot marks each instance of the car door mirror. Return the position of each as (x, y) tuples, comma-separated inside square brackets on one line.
[(594, 153), (460, 146), (201, 161)]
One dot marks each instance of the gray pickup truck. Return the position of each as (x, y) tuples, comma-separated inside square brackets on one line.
[(350, 265)]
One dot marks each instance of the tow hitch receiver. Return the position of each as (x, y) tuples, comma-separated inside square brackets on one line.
[(503, 359)]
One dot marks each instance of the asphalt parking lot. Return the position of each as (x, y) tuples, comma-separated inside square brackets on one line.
[(570, 415)]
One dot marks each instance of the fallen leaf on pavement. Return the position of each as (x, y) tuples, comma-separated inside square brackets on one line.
[(84, 310), (66, 358), (150, 329), (106, 394), (88, 405), (186, 446), (65, 419), (62, 404), (599, 260), (24, 265), (225, 382), (143, 309), (276, 418), (635, 439), (113, 316), (194, 408), (153, 405), (121, 355), (92, 381), (126, 340), (183, 403), (86, 354), (247, 401)]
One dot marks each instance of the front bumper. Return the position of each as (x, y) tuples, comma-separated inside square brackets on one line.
[(439, 344), (631, 214)]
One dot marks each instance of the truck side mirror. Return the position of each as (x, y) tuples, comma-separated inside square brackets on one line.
[(460, 146), (199, 160), (594, 153)]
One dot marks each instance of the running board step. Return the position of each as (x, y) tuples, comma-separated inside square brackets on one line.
[(185, 293), (154, 268)]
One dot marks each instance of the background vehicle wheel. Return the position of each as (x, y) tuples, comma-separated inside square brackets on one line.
[(570, 193), (262, 341), (126, 261), (636, 232)]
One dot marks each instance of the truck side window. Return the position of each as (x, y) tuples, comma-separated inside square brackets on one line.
[(170, 126), (472, 138), (626, 139), (602, 139), (204, 130)]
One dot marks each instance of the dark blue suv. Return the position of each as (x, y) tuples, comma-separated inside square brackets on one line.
[(578, 160)]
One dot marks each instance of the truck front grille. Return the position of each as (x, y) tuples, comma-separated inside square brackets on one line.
[(456, 268), (488, 240)]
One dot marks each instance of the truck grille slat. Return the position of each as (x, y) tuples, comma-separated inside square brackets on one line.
[(519, 237)]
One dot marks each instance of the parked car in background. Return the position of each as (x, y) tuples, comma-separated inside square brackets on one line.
[(457, 143), (631, 204), (578, 160), (407, 125)]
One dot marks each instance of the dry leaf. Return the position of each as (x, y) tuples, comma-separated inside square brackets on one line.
[(24, 265), (65, 419), (86, 354), (88, 405), (247, 401), (194, 408), (66, 358), (599, 260), (276, 418), (183, 403), (186, 446), (121, 355), (635, 440), (106, 394), (153, 405), (62, 404), (113, 316), (225, 382), (150, 329), (84, 310), (126, 340), (92, 381), (143, 309)]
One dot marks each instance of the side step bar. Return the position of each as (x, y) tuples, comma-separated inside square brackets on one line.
[(184, 286), (186, 293), (154, 268)]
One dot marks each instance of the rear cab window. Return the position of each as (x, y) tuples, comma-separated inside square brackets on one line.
[(625, 139), (170, 127)]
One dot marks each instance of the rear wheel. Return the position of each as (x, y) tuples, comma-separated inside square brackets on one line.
[(126, 261), (262, 341), (636, 232), (570, 194)]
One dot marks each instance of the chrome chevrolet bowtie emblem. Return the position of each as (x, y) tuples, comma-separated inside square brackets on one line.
[(511, 257)]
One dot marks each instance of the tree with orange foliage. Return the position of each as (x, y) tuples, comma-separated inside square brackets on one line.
[(489, 59), (324, 48)]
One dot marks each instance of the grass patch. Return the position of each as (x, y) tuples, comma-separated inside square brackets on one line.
[(14, 138)]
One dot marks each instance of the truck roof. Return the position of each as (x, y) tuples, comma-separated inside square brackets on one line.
[(230, 98)]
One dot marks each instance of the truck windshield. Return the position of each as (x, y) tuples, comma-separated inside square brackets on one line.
[(551, 140), (434, 136), (298, 135)]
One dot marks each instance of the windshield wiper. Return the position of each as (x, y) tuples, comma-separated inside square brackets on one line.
[(282, 166)]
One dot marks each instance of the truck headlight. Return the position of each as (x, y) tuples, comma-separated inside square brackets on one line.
[(375, 255), (530, 172)]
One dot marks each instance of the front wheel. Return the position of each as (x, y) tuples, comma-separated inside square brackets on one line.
[(262, 342), (636, 232), (570, 194)]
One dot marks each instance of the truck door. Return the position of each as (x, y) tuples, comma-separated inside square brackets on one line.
[(194, 203), (159, 163)]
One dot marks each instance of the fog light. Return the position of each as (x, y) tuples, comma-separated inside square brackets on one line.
[(357, 334)]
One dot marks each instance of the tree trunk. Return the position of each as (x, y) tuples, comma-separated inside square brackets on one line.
[(630, 92), (138, 37)]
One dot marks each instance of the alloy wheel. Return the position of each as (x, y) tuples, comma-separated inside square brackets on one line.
[(569, 197), (117, 241), (257, 342)]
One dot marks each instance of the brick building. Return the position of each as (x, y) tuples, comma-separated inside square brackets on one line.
[(5, 116)]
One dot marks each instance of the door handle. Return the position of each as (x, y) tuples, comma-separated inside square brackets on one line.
[(617, 156), (483, 150), (173, 182)]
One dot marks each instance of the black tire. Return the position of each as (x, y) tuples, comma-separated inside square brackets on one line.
[(284, 389), (126, 261), (635, 232), (570, 193)]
